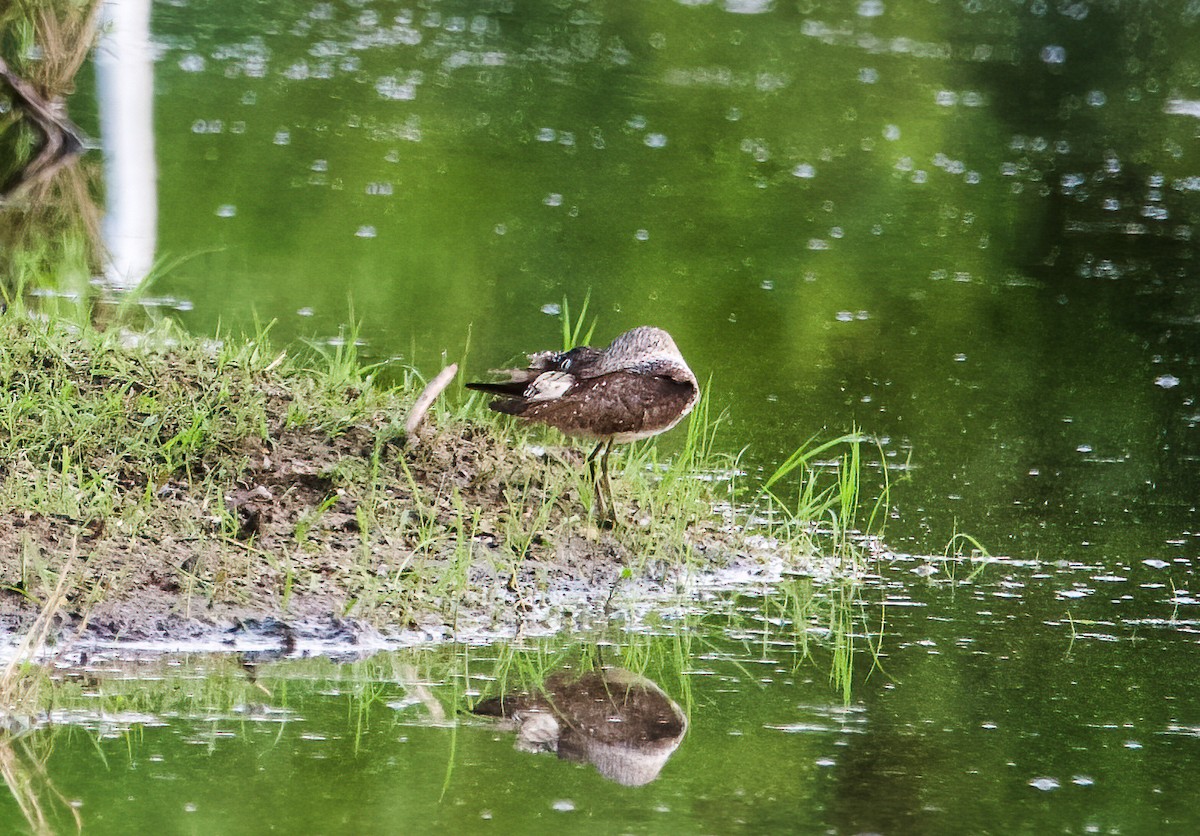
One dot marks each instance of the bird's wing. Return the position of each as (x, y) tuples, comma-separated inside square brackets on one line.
[(528, 385), (549, 386), (617, 402)]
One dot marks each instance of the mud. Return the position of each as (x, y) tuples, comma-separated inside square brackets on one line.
[(300, 550)]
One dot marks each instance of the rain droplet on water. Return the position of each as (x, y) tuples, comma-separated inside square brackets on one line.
[(1166, 381), (1054, 54), (1044, 784)]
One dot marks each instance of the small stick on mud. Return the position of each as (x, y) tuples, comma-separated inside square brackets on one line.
[(427, 397)]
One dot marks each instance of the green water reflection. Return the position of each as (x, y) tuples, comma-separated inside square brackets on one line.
[(1037, 698), (966, 228)]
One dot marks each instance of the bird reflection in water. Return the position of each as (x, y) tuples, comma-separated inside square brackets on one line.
[(621, 723)]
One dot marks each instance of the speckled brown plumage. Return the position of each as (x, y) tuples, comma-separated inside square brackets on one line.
[(635, 388)]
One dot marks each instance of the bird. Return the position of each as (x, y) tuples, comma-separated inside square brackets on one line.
[(621, 722), (637, 387)]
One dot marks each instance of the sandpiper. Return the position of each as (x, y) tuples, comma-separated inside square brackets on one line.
[(638, 387)]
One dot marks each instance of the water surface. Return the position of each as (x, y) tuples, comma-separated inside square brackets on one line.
[(988, 711), (967, 228)]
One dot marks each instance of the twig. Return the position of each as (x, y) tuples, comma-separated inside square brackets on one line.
[(428, 396)]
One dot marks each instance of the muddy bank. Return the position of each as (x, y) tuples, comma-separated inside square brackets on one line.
[(180, 490), (170, 595), (153, 624), (292, 547)]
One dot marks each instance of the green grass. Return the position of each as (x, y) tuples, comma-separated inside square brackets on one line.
[(825, 498), (98, 433), (572, 330)]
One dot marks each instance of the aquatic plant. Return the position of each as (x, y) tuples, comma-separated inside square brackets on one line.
[(572, 330), (829, 511)]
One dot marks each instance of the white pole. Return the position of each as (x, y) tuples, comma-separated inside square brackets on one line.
[(125, 90)]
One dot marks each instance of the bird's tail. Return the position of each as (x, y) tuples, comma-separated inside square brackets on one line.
[(510, 396), (509, 388)]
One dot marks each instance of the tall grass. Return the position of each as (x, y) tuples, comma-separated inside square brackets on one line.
[(572, 330), (832, 507), (674, 497)]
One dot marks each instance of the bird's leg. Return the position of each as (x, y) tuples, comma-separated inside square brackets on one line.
[(591, 459), (591, 463), (611, 515)]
